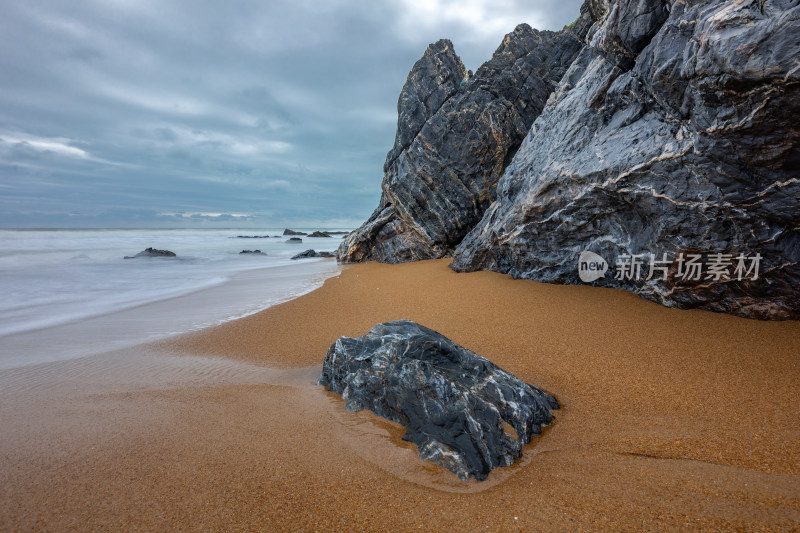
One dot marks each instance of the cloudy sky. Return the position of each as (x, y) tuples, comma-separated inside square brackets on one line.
[(161, 113)]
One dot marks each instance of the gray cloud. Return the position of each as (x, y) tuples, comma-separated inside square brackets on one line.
[(114, 112)]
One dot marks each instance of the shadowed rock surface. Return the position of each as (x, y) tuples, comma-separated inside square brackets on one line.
[(456, 405), (454, 141), (674, 131), (151, 252), (312, 253)]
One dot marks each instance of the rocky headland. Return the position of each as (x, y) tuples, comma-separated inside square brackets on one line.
[(667, 147), (454, 140)]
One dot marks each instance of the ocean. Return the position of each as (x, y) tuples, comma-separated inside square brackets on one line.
[(69, 293)]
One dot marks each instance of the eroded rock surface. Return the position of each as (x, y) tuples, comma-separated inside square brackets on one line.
[(455, 139), (151, 252), (458, 407), (312, 253), (674, 131)]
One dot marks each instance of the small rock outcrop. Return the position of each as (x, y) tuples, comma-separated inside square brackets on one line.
[(252, 236), (673, 135), (151, 252), (321, 234), (462, 411), (294, 240), (252, 252), (455, 139), (288, 231), (312, 253)]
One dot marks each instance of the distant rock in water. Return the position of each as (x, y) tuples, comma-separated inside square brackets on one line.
[(287, 231), (312, 253), (252, 236), (252, 252), (673, 135), (462, 411), (320, 234), (455, 137), (294, 240), (151, 252)]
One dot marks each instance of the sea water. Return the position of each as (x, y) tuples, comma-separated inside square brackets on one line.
[(70, 293)]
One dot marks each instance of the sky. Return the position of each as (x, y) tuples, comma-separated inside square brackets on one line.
[(199, 113)]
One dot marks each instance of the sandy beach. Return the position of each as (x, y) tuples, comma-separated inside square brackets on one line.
[(670, 419)]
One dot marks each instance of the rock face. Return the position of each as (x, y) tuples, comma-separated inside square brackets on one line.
[(151, 252), (312, 253), (462, 411), (454, 140), (674, 131)]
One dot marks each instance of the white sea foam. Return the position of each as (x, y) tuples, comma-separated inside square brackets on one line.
[(68, 293)]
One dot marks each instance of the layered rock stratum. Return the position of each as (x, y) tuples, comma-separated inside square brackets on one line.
[(461, 410), (674, 132), (455, 139), (672, 137)]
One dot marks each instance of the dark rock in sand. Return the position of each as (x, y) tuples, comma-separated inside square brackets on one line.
[(151, 252), (294, 240), (312, 253), (291, 232), (305, 255), (455, 139), (673, 132), (320, 234), (459, 408), (252, 252)]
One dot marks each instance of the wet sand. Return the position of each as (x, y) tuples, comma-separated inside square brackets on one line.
[(671, 419)]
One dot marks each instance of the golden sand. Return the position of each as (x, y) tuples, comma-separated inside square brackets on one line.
[(671, 420)]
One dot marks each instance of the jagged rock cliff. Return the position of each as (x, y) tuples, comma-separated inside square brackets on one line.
[(674, 132), (455, 139)]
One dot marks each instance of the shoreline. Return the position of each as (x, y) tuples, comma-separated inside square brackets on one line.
[(242, 293), (669, 418)]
